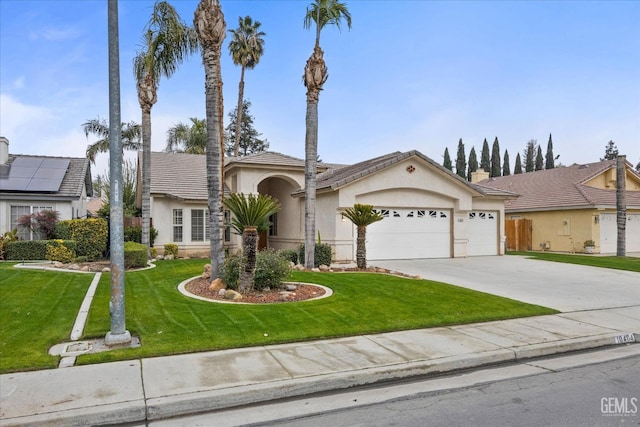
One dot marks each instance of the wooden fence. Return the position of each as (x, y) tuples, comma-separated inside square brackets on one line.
[(518, 232)]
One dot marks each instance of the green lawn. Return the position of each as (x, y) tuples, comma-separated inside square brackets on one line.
[(37, 310), (618, 263), (169, 323)]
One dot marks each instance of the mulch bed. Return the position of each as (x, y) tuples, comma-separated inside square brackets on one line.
[(200, 287)]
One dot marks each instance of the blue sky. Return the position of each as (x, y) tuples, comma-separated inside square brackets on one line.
[(409, 75)]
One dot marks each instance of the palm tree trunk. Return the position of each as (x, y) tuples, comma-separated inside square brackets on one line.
[(361, 249), (621, 205), (250, 238), (236, 147), (310, 166), (146, 178)]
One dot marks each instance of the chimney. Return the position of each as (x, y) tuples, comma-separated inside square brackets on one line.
[(4, 150), (479, 175)]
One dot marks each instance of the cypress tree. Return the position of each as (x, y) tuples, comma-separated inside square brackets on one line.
[(473, 162), (495, 159), (485, 159), (461, 161), (529, 155), (447, 160), (506, 169), (518, 167), (610, 151), (539, 160), (549, 159)]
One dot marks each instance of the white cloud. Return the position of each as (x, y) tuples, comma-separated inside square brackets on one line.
[(55, 34), (17, 118)]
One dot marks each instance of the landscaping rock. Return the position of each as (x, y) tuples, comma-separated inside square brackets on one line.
[(168, 257), (58, 264), (106, 270), (73, 267), (217, 284), (221, 292), (84, 268), (323, 267), (290, 287), (232, 295), (315, 270), (299, 267), (206, 274), (284, 295)]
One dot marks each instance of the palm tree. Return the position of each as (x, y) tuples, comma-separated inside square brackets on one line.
[(167, 41), (322, 12), (246, 48), (210, 27), (130, 136), (184, 138), (361, 216), (250, 216)]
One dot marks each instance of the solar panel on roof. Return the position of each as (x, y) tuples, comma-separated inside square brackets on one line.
[(35, 174)]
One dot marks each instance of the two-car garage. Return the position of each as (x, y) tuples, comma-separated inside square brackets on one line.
[(427, 233)]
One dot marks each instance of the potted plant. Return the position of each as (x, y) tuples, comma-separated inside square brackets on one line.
[(589, 246)]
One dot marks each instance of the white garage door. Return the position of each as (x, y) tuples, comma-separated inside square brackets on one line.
[(609, 233), (410, 234), (482, 229)]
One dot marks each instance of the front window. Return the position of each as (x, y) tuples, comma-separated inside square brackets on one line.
[(227, 226), (197, 225), (273, 229), (177, 225), (17, 212)]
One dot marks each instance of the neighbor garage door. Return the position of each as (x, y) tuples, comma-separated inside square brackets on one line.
[(482, 229), (410, 234), (609, 233)]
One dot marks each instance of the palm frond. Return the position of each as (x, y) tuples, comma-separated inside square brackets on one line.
[(362, 215), (251, 210)]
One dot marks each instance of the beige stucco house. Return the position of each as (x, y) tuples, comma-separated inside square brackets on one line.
[(29, 184), (429, 211), (569, 205)]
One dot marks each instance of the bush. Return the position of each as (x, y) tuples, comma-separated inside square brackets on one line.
[(9, 236), (135, 255), (27, 250), (134, 234), (171, 249), (322, 255), (271, 269), (89, 234), (290, 254), (154, 252), (230, 271), (61, 250)]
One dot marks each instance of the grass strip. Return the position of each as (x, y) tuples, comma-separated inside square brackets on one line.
[(614, 262)]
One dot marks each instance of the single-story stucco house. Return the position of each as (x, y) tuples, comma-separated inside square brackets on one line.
[(569, 205), (30, 184), (429, 211)]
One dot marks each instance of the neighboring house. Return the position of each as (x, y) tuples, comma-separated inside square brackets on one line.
[(569, 205), (29, 184), (429, 211)]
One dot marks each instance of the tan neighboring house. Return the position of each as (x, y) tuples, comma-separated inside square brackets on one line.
[(429, 211), (569, 205), (29, 184)]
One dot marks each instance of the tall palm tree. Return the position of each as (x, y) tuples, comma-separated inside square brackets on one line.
[(322, 13), (184, 138), (250, 216), (246, 48), (362, 216), (210, 27), (130, 136), (167, 41)]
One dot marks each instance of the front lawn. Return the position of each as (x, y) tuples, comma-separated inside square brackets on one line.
[(170, 323), (618, 263), (37, 310)]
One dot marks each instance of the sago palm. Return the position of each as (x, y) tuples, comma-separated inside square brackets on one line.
[(184, 138), (210, 27), (246, 48), (130, 134), (322, 13), (362, 216), (167, 41), (250, 216)]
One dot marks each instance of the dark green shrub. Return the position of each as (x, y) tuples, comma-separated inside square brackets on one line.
[(89, 234), (61, 250), (171, 249), (135, 255), (230, 271), (9, 236), (134, 234), (271, 269), (322, 255), (27, 250), (289, 254)]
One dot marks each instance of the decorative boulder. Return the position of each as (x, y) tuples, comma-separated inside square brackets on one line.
[(106, 270), (290, 287), (73, 267), (315, 270), (168, 257), (323, 267), (206, 274), (232, 295), (221, 292), (299, 267), (217, 284), (58, 264)]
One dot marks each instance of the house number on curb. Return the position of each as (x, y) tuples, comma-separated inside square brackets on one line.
[(625, 338)]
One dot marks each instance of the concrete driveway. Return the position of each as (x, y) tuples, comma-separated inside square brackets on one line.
[(565, 287)]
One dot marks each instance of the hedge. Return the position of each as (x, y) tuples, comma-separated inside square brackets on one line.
[(89, 234), (135, 255)]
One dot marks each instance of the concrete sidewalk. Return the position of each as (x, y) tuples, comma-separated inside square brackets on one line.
[(158, 388)]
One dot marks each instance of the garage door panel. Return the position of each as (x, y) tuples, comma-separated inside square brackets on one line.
[(609, 233), (482, 231)]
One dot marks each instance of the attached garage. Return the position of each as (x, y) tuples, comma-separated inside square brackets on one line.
[(482, 229), (410, 234), (609, 233)]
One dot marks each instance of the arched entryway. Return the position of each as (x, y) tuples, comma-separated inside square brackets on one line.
[(284, 232)]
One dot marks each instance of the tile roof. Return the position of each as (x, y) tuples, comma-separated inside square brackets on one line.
[(266, 158), (559, 188), (179, 175), (77, 176)]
